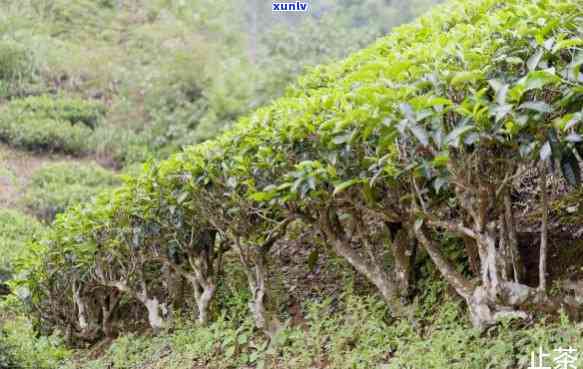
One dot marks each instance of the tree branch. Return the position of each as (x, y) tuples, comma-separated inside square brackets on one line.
[(462, 286)]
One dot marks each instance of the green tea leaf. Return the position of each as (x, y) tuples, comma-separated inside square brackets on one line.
[(420, 133), (533, 61), (467, 77), (340, 187), (538, 106)]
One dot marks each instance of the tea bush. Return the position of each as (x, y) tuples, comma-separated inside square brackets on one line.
[(72, 110), (119, 147), (47, 124), (55, 187), (44, 135)]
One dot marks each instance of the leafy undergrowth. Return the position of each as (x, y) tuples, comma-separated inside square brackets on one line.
[(347, 331), (356, 334), (20, 348)]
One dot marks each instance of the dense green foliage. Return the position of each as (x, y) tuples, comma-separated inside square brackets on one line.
[(44, 135), (15, 228), (50, 124), (14, 66), (55, 187), (7, 360), (73, 111)]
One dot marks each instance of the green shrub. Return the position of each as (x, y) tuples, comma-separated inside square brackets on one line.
[(15, 229), (71, 110), (55, 187), (119, 146), (16, 68), (46, 124), (44, 135)]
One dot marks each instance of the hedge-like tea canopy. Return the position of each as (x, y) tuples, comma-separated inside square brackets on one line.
[(425, 132)]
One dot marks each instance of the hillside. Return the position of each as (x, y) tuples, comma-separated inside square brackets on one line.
[(415, 205)]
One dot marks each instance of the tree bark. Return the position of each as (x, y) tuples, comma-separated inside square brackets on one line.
[(516, 259), (202, 276), (484, 311), (264, 319), (81, 308), (204, 304), (254, 262), (542, 274), (404, 257), (156, 312), (371, 269), (203, 294), (472, 254), (109, 303), (462, 286), (87, 316), (205, 274)]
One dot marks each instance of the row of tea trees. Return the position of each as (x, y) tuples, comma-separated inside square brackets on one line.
[(422, 135)]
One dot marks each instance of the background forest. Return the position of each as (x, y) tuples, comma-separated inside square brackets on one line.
[(208, 184)]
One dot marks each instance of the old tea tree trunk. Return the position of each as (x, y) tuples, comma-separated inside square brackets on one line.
[(483, 219), (109, 275), (202, 268), (368, 262), (254, 260)]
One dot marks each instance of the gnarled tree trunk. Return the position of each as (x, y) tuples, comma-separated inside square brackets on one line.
[(254, 260), (488, 302), (204, 259), (371, 266), (109, 301), (157, 310), (204, 292), (404, 250), (87, 315)]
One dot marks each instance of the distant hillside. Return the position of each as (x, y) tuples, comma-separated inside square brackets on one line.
[(172, 73)]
